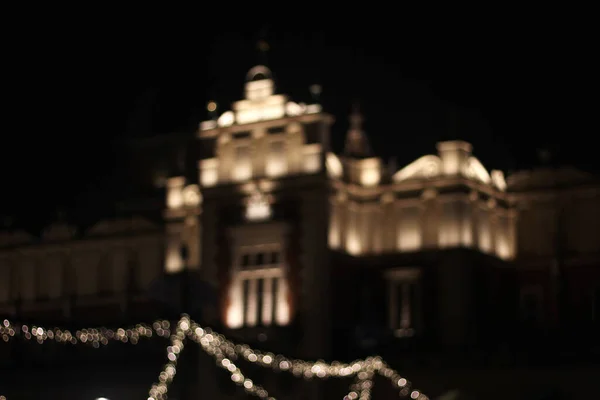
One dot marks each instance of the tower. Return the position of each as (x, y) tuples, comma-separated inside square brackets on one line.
[(265, 217)]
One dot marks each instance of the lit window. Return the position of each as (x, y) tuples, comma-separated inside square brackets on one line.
[(258, 207), (276, 161), (404, 301), (260, 289), (243, 163)]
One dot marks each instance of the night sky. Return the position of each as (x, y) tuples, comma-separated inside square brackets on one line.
[(506, 88)]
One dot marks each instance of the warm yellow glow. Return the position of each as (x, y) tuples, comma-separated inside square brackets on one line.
[(484, 232), (454, 155), (293, 109), (475, 170), (173, 262), (498, 179), (191, 196), (259, 90), (409, 238), (212, 106), (334, 166), (215, 345), (174, 192), (260, 112), (252, 306), (276, 162), (258, 70), (353, 243), (267, 305), (425, 167), (313, 108), (209, 177), (276, 166), (370, 177), (312, 158), (258, 207), (450, 234), (467, 229), (502, 247), (175, 199), (242, 171), (235, 311), (207, 125), (226, 119), (282, 313), (334, 237)]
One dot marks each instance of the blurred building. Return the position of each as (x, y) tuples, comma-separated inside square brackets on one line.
[(445, 268)]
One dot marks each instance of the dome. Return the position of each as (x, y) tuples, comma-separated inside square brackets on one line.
[(258, 73)]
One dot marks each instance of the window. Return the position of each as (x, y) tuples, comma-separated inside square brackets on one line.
[(276, 161), (258, 293), (262, 284), (242, 163), (532, 303), (259, 288), (404, 301)]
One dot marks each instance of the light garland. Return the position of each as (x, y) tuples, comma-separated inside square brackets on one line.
[(225, 354)]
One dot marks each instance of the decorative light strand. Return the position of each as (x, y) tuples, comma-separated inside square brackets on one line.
[(220, 349), (93, 336), (159, 390), (225, 354), (361, 390)]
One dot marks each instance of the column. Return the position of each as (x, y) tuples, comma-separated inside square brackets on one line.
[(430, 221), (267, 309), (282, 309), (334, 224), (353, 244), (235, 311), (251, 317), (173, 260), (512, 232)]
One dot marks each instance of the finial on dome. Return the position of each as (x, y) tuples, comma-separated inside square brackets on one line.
[(262, 46), (356, 118)]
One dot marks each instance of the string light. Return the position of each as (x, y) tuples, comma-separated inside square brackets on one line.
[(225, 353)]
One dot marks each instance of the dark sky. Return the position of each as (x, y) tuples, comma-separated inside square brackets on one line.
[(508, 88)]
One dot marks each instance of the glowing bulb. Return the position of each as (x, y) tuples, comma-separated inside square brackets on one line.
[(212, 106)]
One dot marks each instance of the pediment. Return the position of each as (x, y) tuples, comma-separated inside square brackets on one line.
[(475, 170), (426, 167)]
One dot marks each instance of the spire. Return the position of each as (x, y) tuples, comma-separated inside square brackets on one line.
[(263, 47), (357, 144), (356, 118)]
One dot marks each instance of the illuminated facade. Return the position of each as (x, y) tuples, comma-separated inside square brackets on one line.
[(297, 238)]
